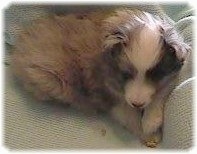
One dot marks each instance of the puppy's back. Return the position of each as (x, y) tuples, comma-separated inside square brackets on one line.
[(49, 53)]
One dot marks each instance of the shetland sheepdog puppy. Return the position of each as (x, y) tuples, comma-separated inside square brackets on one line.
[(123, 63)]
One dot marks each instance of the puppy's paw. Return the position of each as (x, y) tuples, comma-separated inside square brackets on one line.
[(152, 141)]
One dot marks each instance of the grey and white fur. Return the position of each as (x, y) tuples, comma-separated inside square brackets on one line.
[(123, 63)]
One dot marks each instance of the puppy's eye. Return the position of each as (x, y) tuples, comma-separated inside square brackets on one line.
[(126, 75), (168, 64), (171, 50), (155, 74)]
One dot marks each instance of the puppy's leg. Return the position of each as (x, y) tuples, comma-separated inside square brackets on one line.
[(151, 124), (43, 84), (152, 119), (128, 117)]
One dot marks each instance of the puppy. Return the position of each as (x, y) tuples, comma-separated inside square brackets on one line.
[(123, 63)]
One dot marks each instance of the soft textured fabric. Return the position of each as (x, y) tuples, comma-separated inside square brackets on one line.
[(35, 125), (178, 120)]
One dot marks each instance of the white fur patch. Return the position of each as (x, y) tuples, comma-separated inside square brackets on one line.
[(145, 49), (144, 53)]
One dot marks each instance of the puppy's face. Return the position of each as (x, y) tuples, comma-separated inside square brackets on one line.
[(146, 54)]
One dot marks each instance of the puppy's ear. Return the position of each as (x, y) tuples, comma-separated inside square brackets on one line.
[(114, 38), (173, 42), (121, 27), (116, 29), (182, 50)]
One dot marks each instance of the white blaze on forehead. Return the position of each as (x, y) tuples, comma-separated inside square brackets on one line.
[(145, 48)]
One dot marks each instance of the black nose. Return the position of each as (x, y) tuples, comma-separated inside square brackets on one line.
[(138, 105)]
